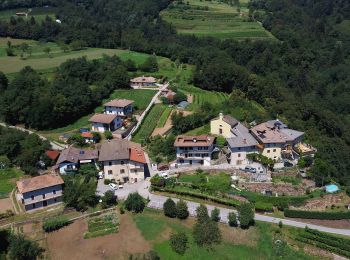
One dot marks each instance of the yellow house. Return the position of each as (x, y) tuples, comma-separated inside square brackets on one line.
[(223, 125)]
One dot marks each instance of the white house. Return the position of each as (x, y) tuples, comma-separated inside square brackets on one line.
[(105, 122), (143, 81), (40, 191), (120, 107), (194, 149), (240, 144)]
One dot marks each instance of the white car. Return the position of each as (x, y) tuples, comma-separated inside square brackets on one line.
[(113, 186), (120, 186), (164, 175), (100, 175)]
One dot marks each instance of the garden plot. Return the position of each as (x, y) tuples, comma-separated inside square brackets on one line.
[(101, 226)]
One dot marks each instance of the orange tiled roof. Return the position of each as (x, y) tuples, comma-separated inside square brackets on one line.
[(137, 155)]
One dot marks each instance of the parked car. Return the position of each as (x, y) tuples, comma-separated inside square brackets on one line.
[(287, 164), (120, 186), (164, 175), (100, 175), (113, 186), (163, 167), (252, 170), (247, 168)]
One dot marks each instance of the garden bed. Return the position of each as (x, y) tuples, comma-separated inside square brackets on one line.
[(101, 226)]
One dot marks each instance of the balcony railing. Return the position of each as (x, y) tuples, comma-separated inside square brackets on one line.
[(40, 198)]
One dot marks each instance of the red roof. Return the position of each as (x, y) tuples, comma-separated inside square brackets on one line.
[(137, 155), (87, 135), (53, 155), (39, 182)]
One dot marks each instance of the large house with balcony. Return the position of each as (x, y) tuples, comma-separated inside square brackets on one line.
[(192, 150), (276, 140), (71, 158), (120, 107), (40, 191), (123, 161), (141, 82)]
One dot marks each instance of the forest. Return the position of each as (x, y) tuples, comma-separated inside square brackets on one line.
[(302, 78)]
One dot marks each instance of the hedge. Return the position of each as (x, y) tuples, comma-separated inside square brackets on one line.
[(326, 241), (227, 202), (55, 223), (316, 214)]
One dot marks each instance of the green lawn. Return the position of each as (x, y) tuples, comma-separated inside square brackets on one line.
[(202, 130), (154, 227), (149, 124), (8, 179), (214, 18), (164, 117)]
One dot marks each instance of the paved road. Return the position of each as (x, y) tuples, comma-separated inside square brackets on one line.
[(54, 145), (156, 201)]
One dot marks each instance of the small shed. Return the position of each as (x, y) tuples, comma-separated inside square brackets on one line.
[(183, 105)]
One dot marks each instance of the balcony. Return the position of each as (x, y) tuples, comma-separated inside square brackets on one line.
[(40, 198)]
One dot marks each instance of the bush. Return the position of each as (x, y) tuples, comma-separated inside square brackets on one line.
[(178, 242), (202, 213), (121, 210), (246, 215), (135, 203), (53, 224), (169, 208), (232, 219), (182, 210), (215, 215), (108, 135), (206, 232), (316, 214), (109, 199)]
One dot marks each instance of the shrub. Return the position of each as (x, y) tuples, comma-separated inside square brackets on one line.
[(169, 208), (109, 199), (122, 210), (182, 210), (178, 242), (202, 213), (53, 224), (206, 232), (280, 224), (246, 215), (316, 214), (215, 215), (108, 135), (232, 219), (135, 203)]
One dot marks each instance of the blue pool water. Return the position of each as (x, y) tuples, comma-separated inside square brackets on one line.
[(331, 188)]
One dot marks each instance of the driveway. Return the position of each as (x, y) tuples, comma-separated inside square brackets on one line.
[(120, 193)]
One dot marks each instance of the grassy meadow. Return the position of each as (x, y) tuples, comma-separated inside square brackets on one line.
[(8, 178), (255, 243), (215, 19)]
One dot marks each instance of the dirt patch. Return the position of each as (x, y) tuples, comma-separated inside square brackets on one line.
[(343, 223), (68, 243), (327, 201), (5, 204), (317, 252), (239, 236), (163, 130)]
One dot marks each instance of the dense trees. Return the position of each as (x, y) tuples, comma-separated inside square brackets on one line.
[(135, 203), (21, 149), (302, 77), (246, 215)]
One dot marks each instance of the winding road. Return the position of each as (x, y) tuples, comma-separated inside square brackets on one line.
[(157, 201)]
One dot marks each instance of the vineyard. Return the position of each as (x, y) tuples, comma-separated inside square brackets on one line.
[(150, 122)]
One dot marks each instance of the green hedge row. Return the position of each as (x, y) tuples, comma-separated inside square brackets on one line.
[(228, 202), (316, 214), (56, 223)]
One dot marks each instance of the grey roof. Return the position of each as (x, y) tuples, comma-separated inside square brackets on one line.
[(116, 149), (228, 119), (291, 134), (183, 104), (74, 155), (277, 123), (242, 137)]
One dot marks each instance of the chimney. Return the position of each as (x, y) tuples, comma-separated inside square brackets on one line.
[(221, 116)]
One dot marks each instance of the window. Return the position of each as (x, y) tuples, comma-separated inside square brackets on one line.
[(110, 172), (32, 197), (55, 200), (54, 191), (268, 151), (239, 155), (220, 131), (34, 205), (122, 162), (274, 150), (122, 171), (43, 196), (109, 163)]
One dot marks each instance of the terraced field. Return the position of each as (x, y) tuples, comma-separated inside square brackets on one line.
[(214, 18)]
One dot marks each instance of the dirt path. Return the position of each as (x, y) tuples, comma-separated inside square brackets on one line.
[(68, 243), (162, 130)]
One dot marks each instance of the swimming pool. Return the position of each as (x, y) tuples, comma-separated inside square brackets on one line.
[(331, 188)]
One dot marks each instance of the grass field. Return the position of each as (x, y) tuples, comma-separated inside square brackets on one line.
[(150, 122), (164, 117), (8, 179), (39, 13), (214, 18), (255, 243)]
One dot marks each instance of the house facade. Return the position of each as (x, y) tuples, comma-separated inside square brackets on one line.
[(143, 81), (222, 125), (71, 158), (105, 122), (123, 161), (120, 107), (240, 145), (40, 191), (276, 140), (194, 149)]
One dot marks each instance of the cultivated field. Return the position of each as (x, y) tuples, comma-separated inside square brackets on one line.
[(214, 18)]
